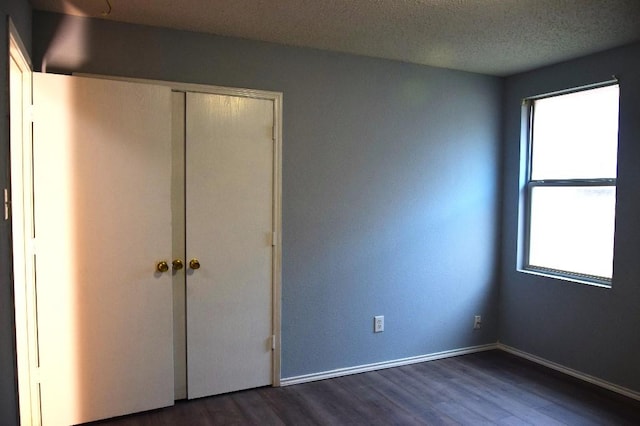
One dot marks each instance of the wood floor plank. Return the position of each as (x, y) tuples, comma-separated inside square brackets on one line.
[(255, 410), (506, 401), (553, 389), (491, 387), (222, 410), (429, 390), (187, 412), (569, 417), (512, 399), (329, 401), (494, 379), (460, 393), (380, 402), (289, 406), (515, 421), (462, 414), (413, 402)]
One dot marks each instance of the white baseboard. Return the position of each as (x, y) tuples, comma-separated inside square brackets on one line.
[(381, 365), (571, 372)]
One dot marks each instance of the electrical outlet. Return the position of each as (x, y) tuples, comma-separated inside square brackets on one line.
[(477, 322), (378, 324)]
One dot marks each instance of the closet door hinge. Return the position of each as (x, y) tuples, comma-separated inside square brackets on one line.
[(7, 204), (31, 113), (273, 342), (274, 239)]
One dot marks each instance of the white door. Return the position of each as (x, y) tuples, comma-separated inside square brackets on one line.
[(229, 220), (22, 229), (102, 166)]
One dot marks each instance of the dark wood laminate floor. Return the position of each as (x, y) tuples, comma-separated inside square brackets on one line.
[(484, 388)]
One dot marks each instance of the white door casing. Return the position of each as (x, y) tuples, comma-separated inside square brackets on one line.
[(21, 213), (230, 226), (102, 166)]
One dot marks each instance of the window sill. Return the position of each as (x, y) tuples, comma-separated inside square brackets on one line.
[(566, 278)]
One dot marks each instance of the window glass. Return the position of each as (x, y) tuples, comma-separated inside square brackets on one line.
[(572, 229), (576, 135)]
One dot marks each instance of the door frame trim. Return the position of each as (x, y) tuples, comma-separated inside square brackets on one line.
[(276, 98), (21, 214)]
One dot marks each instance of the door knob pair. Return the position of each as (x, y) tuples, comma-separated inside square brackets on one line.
[(176, 265)]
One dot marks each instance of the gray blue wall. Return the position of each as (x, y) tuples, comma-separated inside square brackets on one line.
[(390, 183), (590, 329), (20, 13)]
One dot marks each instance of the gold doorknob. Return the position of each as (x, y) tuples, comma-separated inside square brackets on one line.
[(177, 264), (194, 264), (162, 266)]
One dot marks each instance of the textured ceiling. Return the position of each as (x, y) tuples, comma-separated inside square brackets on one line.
[(498, 37)]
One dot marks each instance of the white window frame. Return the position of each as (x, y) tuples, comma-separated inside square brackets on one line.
[(528, 183)]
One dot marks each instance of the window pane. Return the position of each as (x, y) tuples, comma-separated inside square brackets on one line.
[(576, 135), (571, 229)]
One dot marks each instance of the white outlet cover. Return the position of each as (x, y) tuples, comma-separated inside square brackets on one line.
[(378, 323), (477, 322)]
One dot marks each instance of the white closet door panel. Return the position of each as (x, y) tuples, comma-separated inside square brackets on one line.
[(102, 164), (229, 216)]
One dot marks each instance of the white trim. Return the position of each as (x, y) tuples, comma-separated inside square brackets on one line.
[(193, 87), (21, 50), (277, 230), (385, 364), (571, 372), (567, 278), (22, 237), (613, 81)]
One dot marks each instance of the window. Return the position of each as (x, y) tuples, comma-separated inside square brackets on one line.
[(570, 187)]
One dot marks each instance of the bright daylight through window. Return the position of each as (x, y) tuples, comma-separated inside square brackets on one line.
[(572, 145)]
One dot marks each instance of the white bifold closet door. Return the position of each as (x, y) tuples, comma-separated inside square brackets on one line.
[(229, 224), (111, 201), (102, 168)]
